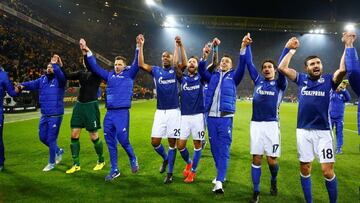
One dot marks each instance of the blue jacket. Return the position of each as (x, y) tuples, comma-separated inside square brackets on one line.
[(337, 103), (51, 91), (227, 88), (5, 84), (119, 89)]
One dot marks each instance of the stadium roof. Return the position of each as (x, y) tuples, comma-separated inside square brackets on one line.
[(276, 15)]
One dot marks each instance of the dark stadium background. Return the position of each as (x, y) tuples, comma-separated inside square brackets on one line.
[(110, 27)]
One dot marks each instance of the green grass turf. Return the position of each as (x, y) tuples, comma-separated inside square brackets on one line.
[(24, 181)]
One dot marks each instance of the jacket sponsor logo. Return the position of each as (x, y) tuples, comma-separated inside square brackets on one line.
[(166, 82), (264, 92), (189, 88), (312, 92)]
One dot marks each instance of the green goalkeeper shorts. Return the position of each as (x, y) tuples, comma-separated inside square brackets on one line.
[(86, 115)]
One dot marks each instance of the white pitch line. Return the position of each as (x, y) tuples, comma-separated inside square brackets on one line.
[(351, 130), (37, 114)]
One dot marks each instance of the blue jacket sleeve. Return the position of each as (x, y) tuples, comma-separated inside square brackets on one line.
[(282, 81), (254, 74), (347, 96), (32, 85), (240, 70), (205, 74), (9, 87), (59, 75), (351, 60), (95, 68), (134, 69)]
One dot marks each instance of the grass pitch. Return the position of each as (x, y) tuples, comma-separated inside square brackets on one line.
[(24, 181)]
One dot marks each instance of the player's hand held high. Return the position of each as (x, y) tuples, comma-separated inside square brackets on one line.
[(84, 48), (206, 50), (348, 38), (246, 41)]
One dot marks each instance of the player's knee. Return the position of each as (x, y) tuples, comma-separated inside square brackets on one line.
[(43, 139), (75, 135), (93, 135), (305, 168), (328, 173), (155, 143), (257, 160), (124, 143), (272, 161), (180, 146), (172, 142)]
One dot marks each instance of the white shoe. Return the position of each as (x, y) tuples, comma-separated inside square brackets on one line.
[(49, 167), (214, 181), (218, 188)]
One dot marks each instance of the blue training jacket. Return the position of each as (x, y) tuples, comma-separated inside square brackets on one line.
[(337, 103), (119, 89), (5, 85), (227, 88), (51, 91)]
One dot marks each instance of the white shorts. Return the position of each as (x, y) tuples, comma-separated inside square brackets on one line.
[(265, 137), (166, 123), (311, 143), (193, 124)]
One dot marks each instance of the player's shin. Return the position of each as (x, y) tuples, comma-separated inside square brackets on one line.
[(98, 145), (75, 150), (306, 187), (331, 186)]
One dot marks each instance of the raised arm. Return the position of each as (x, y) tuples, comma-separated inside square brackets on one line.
[(351, 57), (215, 56), (72, 75), (142, 64), (340, 72), (55, 63), (178, 69), (91, 61), (180, 45), (246, 51), (240, 70), (290, 73), (134, 69), (205, 74), (282, 81)]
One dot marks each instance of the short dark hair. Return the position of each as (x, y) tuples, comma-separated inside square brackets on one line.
[(121, 58), (309, 58), (269, 61), (195, 57), (227, 56)]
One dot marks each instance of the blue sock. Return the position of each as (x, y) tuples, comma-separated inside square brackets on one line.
[(171, 159), (255, 175), (185, 155), (161, 151), (274, 172), (306, 186), (196, 159), (331, 186)]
